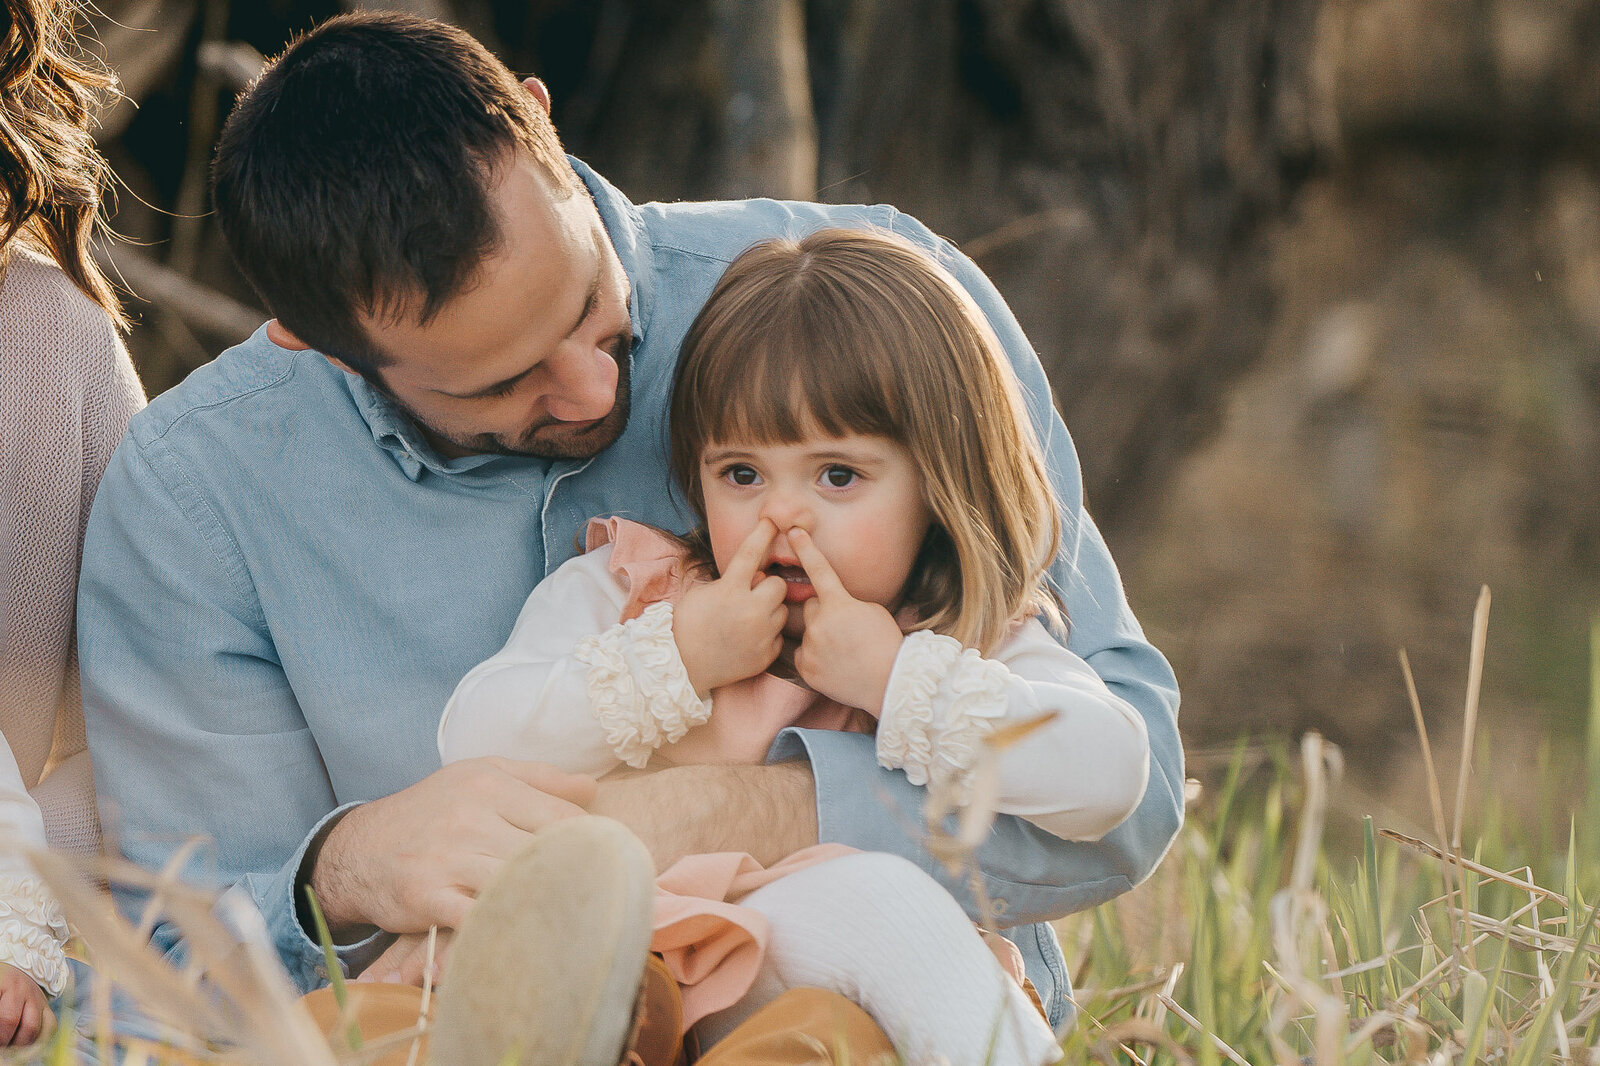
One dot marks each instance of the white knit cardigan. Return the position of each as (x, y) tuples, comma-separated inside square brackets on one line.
[(67, 390)]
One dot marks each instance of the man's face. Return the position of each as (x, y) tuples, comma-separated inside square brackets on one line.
[(532, 357)]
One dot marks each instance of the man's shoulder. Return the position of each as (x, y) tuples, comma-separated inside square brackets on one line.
[(719, 230), (255, 371)]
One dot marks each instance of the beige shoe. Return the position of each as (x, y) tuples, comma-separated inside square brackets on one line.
[(546, 970)]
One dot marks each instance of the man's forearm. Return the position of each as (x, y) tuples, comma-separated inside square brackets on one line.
[(769, 811)]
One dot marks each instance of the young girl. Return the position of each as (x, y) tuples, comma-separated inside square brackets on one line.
[(876, 524), (32, 930)]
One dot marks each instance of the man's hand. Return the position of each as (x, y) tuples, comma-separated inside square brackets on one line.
[(419, 857), (732, 628), (849, 646)]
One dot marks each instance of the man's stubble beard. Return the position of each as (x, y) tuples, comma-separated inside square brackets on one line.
[(587, 445)]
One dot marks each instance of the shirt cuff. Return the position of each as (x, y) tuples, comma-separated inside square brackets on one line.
[(277, 899)]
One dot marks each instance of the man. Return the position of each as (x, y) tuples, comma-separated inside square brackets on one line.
[(298, 552)]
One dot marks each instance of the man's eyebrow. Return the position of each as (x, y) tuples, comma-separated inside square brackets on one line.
[(583, 316)]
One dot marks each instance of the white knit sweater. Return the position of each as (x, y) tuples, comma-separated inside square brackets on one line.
[(67, 390)]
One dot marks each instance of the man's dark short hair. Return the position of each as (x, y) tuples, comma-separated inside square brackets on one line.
[(352, 178)]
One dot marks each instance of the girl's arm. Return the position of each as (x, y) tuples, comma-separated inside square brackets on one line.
[(32, 930), (572, 687), (1076, 776)]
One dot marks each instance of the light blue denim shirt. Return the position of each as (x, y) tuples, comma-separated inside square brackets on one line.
[(282, 584)]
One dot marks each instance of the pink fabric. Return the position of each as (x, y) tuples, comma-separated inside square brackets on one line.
[(711, 945)]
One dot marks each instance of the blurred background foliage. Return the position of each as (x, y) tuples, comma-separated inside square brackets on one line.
[(1317, 283)]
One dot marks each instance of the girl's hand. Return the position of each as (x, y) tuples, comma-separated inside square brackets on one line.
[(23, 1013), (849, 646), (732, 628)]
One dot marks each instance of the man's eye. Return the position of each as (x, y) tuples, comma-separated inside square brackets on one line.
[(505, 388), (742, 475), (839, 477)]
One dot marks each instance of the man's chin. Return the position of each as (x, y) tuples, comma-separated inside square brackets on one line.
[(547, 440), (562, 441)]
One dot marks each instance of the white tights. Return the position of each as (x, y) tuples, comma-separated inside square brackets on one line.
[(879, 931)]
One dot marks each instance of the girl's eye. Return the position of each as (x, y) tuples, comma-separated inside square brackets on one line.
[(839, 477), (741, 474)]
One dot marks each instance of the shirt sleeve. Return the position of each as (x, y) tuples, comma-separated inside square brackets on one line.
[(572, 687), (194, 729), (1042, 875), (1076, 775)]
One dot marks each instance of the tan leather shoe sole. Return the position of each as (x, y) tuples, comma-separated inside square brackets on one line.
[(547, 967)]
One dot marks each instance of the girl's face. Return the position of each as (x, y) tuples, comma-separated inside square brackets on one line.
[(859, 497)]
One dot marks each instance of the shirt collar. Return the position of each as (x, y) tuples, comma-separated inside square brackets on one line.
[(625, 226), (396, 434), (399, 436)]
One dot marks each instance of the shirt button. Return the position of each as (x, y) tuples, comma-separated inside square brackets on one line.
[(999, 906)]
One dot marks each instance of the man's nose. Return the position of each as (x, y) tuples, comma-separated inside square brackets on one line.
[(584, 386)]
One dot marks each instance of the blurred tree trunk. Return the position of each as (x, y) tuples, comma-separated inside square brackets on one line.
[(769, 139)]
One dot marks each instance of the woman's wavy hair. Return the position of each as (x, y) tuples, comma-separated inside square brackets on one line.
[(52, 177), (856, 331)]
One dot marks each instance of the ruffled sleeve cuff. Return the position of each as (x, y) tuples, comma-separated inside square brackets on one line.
[(638, 686), (943, 700), (32, 932)]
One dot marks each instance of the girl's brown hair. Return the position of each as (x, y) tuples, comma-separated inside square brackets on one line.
[(51, 176), (855, 331)]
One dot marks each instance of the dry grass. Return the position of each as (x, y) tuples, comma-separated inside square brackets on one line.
[(1252, 945)]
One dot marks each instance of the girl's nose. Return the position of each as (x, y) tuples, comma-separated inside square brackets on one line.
[(786, 511)]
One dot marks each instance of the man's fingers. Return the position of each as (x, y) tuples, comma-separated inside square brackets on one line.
[(821, 575), (530, 809), (574, 788), (741, 569), (388, 964), (406, 960), (451, 910)]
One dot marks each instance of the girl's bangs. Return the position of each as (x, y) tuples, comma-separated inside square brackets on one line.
[(781, 389)]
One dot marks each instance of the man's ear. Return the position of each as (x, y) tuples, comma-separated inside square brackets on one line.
[(279, 334), (540, 92)]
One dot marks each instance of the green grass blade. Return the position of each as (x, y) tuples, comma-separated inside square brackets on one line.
[(329, 956), (1539, 1039), (341, 994), (1477, 995)]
